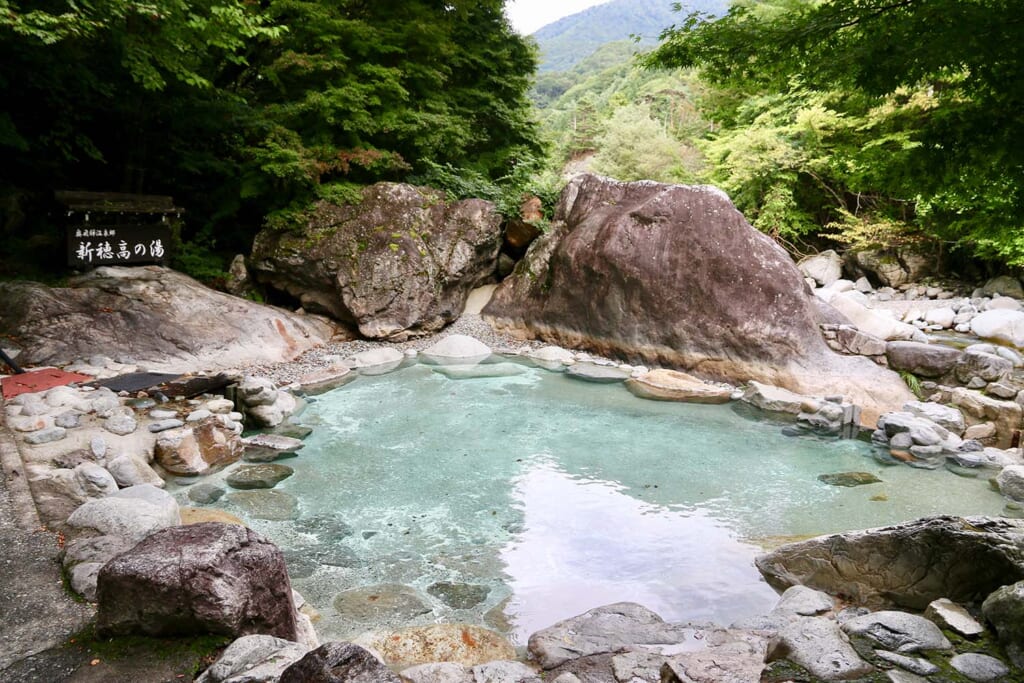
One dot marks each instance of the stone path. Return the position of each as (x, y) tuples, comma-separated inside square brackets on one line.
[(37, 613)]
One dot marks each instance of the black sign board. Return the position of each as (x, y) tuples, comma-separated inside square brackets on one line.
[(105, 228)]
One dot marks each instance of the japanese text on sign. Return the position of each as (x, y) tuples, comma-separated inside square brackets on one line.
[(104, 251)]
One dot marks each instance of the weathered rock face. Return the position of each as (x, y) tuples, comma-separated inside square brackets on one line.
[(675, 276), (200, 578), (155, 315), (399, 264), (909, 565)]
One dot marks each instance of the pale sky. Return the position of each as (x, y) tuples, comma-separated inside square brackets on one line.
[(529, 15)]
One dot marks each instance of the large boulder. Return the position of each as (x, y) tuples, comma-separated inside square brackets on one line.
[(890, 267), (156, 315), (336, 662), (1001, 325), (908, 565), (674, 276), (397, 264), (922, 359), (824, 268), (198, 578), (1004, 609)]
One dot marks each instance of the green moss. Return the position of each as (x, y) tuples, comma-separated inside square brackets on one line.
[(192, 653)]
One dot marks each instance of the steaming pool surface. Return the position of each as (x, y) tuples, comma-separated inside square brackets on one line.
[(516, 501)]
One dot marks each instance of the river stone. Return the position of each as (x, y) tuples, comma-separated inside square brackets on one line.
[(738, 309), (253, 659), (325, 379), (670, 385), (460, 643), (266, 504), (849, 479), (504, 671), (200, 578), (907, 565), (776, 399), (336, 662), (129, 470), (1004, 610), (899, 631), (945, 416), (820, 647), (46, 435), (598, 374), (986, 366), (164, 425), (801, 601), (68, 420), (979, 667), (1005, 285), (386, 603), (267, 447), (480, 370), (915, 665), (262, 476), (438, 672), (601, 630), (459, 595), (376, 361), (456, 348), (1011, 482), (924, 360), (95, 481), (133, 512), (1006, 415), (824, 268), (1000, 325), (256, 391), (948, 615)]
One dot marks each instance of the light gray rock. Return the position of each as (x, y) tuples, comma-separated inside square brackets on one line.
[(380, 357), (163, 414), (1000, 325), (47, 435), (480, 370), (863, 285), (801, 601), (948, 615), (824, 268), (899, 631), (915, 665), (253, 659), (503, 672), (979, 667), (133, 513), (924, 360), (1002, 390), (601, 630), (268, 447), (1005, 285), (129, 470), (257, 391), (943, 317), (165, 425), (439, 672), (1011, 482), (205, 493), (598, 374), (1004, 610), (121, 423), (820, 647), (68, 420), (219, 406), (456, 348), (1003, 303), (945, 416), (854, 341), (197, 415), (986, 366), (776, 399)]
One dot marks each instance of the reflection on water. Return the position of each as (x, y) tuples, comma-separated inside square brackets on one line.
[(587, 543), (540, 496)]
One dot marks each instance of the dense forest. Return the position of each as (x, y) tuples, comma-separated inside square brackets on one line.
[(861, 123), (247, 112)]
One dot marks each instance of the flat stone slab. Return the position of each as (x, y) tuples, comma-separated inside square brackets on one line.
[(459, 595), (898, 631), (165, 425), (387, 603), (669, 385), (267, 447), (947, 614), (599, 374), (979, 667), (326, 379), (480, 370), (261, 476), (820, 647)]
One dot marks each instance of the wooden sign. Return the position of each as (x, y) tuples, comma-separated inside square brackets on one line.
[(111, 245)]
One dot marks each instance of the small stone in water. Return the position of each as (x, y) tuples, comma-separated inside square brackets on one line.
[(848, 478), (459, 595), (263, 476)]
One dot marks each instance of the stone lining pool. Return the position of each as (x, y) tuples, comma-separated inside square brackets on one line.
[(526, 497)]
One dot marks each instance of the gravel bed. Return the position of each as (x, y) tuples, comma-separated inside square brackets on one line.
[(331, 353)]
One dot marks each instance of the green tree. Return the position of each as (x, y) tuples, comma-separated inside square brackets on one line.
[(634, 146), (928, 92)]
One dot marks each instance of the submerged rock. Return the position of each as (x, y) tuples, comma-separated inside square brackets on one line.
[(266, 504), (460, 643), (459, 595), (262, 476), (384, 604), (849, 479)]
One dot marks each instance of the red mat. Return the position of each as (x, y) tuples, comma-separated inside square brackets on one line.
[(38, 380)]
